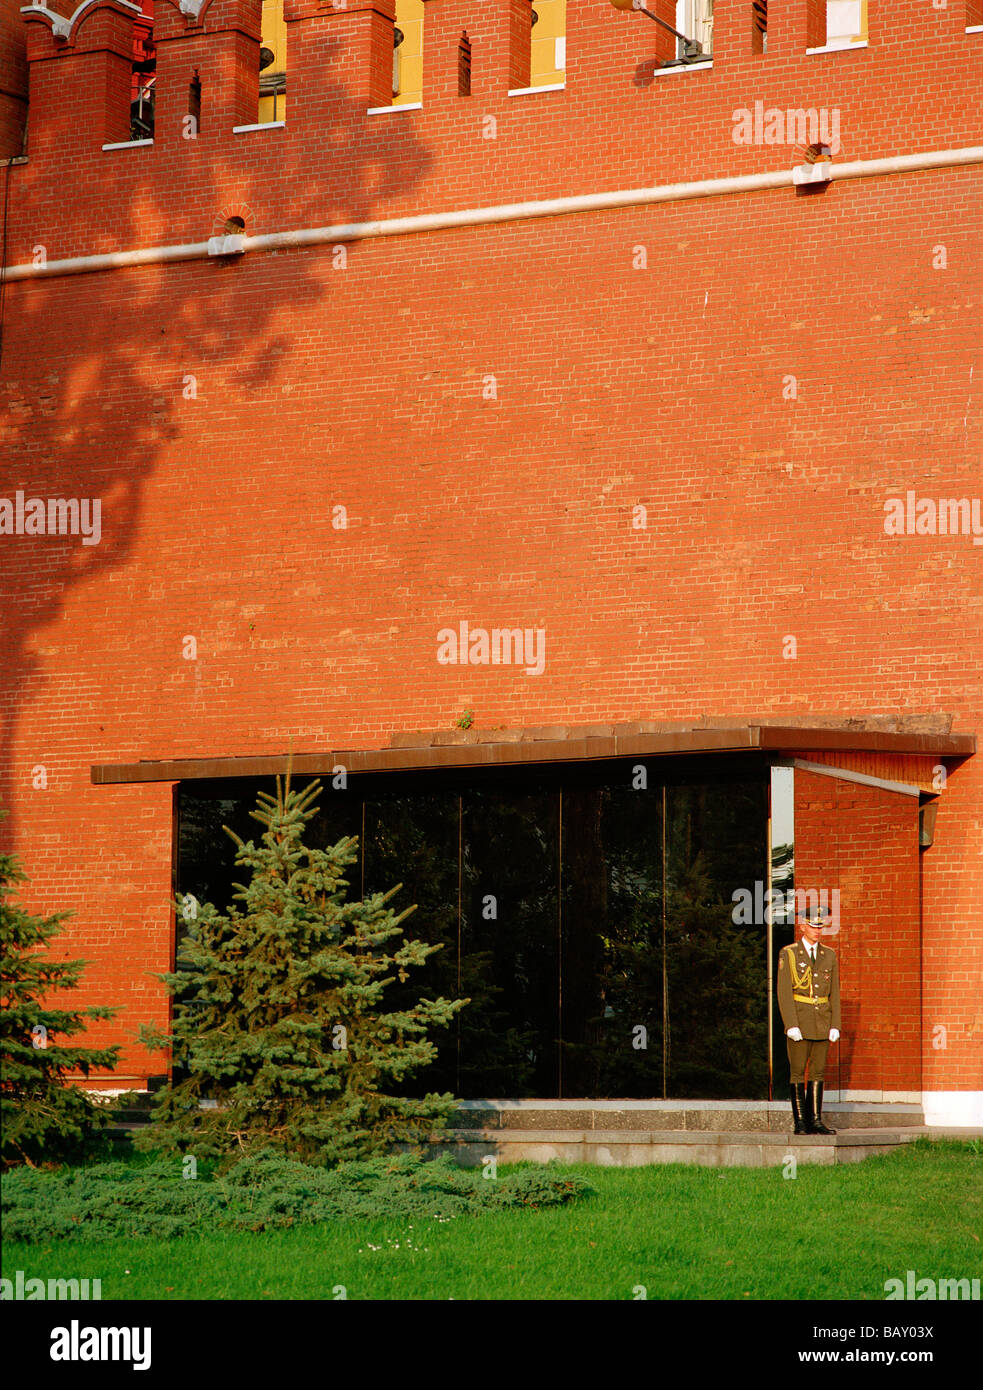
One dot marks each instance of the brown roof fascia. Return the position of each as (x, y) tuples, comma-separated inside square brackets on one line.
[(738, 738), (866, 741)]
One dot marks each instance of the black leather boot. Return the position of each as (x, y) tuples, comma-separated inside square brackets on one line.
[(814, 1108), (799, 1107)]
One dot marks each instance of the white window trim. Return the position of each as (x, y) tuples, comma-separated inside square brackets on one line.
[(529, 91), (845, 47), (684, 67), (403, 106)]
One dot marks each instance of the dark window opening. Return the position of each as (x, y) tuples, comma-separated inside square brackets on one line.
[(194, 103), (464, 67), (590, 921)]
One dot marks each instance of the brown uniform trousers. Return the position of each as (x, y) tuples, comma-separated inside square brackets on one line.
[(809, 999)]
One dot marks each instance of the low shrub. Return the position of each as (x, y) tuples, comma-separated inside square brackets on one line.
[(264, 1191)]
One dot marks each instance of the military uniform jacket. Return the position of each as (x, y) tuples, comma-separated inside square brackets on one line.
[(799, 979)]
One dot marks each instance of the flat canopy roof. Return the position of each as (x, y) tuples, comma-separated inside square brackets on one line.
[(499, 747)]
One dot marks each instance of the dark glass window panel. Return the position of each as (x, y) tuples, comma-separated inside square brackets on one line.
[(717, 1001), (509, 960), (413, 840), (206, 854), (612, 940)]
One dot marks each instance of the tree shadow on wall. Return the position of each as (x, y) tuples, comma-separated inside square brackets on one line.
[(95, 382)]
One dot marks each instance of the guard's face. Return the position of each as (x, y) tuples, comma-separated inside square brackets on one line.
[(812, 931)]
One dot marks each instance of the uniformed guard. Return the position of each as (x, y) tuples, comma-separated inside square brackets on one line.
[(809, 1000)]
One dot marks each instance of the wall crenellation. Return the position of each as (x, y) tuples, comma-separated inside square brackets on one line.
[(621, 120)]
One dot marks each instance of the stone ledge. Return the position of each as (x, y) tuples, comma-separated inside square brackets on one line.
[(692, 1116), (705, 1148), (646, 1137)]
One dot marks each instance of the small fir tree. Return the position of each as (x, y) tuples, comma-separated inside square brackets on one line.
[(44, 1116), (280, 1037)]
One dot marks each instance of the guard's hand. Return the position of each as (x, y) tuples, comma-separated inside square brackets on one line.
[(834, 1035), (795, 1034)]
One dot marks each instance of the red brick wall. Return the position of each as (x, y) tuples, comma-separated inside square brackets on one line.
[(862, 842), (13, 79), (319, 386), (952, 959)]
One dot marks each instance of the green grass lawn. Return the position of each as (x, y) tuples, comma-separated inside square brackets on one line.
[(682, 1232)]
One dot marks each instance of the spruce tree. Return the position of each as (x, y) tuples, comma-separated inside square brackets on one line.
[(44, 1116), (280, 1035)]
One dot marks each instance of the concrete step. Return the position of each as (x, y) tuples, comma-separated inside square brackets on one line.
[(696, 1116), (631, 1132), (132, 1115), (707, 1148)]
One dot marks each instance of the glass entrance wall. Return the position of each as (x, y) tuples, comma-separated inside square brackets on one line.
[(587, 910)]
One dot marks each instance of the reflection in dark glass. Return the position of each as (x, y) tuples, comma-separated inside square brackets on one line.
[(205, 851), (717, 1001), (412, 840), (688, 1019), (510, 1031), (612, 941)]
